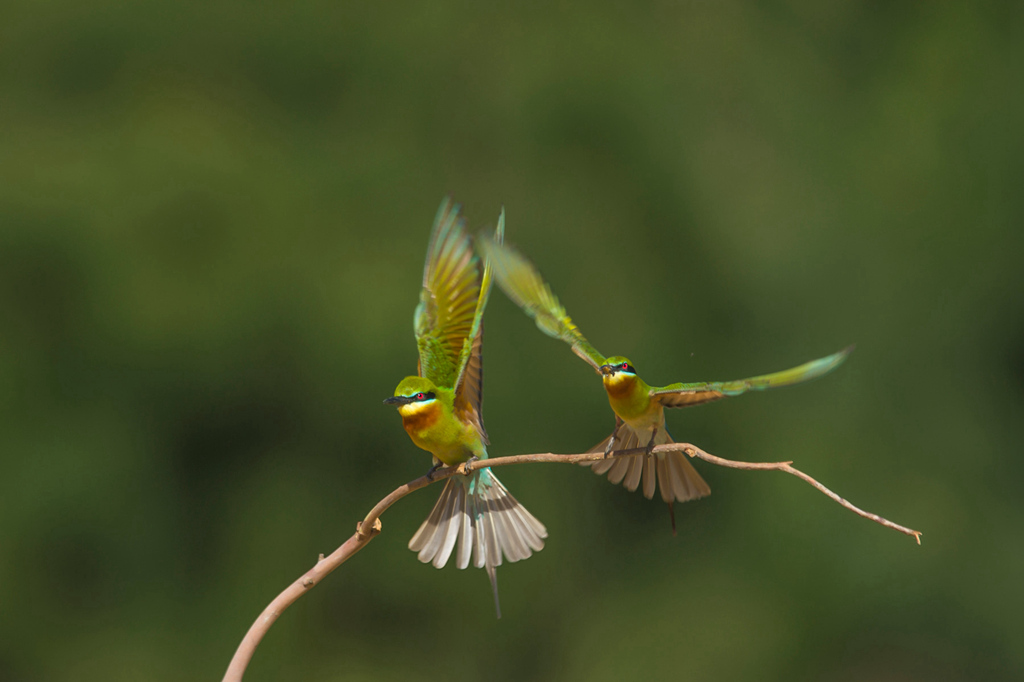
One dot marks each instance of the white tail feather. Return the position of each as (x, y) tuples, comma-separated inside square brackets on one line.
[(485, 525)]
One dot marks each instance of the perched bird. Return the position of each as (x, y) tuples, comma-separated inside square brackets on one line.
[(441, 411), (639, 408)]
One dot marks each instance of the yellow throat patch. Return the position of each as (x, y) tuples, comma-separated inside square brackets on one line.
[(420, 416), (619, 384)]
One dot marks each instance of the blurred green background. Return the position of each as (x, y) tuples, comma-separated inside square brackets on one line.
[(212, 224)]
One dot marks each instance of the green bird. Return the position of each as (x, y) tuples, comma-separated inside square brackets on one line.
[(441, 410), (639, 408)]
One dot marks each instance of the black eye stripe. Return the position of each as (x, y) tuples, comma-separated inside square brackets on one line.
[(426, 396)]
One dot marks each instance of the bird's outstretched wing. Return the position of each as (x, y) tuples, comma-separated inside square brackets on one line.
[(444, 318), (469, 387), (685, 395), (519, 279)]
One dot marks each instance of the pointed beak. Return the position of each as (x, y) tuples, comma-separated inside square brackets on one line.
[(397, 400), (606, 369)]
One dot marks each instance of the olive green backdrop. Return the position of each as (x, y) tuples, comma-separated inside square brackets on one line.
[(212, 225)]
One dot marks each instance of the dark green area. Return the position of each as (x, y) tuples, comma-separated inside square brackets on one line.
[(212, 224)]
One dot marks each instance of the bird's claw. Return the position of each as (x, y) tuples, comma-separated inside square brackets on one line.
[(464, 467), (433, 470), (608, 450)]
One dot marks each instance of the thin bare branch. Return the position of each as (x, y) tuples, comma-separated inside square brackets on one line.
[(372, 524), (694, 451)]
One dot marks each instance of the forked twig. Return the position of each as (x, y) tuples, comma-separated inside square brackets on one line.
[(372, 523)]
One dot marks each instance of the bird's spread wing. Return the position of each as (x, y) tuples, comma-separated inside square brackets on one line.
[(684, 395), (518, 278), (469, 388), (444, 318)]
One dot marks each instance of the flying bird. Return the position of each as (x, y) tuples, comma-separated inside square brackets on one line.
[(639, 408), (476, 516)]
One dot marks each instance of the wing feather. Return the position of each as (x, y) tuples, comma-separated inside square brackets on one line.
[(469, 387), (444, 318), (685, 395), (521, 281)]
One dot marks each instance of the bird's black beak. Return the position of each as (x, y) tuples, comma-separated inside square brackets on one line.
[(397, 400), (606, 369)]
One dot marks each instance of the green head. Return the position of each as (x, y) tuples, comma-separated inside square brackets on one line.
[(618, 366), (413, 390)]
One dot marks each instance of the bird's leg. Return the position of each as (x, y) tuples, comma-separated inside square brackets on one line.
[(433, 470), (650, 443), (611, 444), (611, 441)]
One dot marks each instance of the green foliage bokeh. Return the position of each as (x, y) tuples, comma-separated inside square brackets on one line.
[(212, 224)]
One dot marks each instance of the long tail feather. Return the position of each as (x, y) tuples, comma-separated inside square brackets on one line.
[(478, 519), (492, 574)]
